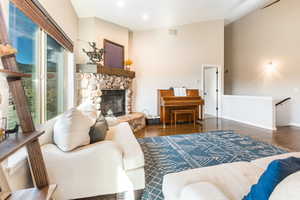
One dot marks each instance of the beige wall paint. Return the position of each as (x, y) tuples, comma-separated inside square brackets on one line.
[(269, 35), (96, 30), (64, 15), (162, 60)]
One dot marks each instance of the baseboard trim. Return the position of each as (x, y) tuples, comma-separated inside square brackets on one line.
[(294, 124), (250, 123)]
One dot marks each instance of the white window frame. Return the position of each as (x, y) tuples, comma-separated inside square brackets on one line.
[(41, 80)]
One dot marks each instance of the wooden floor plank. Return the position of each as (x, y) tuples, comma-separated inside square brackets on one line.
[(285, 137)]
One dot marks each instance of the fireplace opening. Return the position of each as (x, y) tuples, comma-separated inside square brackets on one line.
[(113, 100)]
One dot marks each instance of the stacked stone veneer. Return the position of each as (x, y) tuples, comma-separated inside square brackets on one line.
[(89, 87)]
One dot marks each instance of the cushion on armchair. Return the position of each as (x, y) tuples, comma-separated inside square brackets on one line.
[(71, 130), (289, 188), (89, 110), (275, 173), (99, 130)]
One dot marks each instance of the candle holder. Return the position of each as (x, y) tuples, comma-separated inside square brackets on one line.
[(3, 127)]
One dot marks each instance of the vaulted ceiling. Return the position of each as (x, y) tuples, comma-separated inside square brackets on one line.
[(151, 14)]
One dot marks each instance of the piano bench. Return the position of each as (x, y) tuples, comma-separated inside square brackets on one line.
[(175, 113)]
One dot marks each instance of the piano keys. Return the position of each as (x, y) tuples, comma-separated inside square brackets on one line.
[(168, 102)]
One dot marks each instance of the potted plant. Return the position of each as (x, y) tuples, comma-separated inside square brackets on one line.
[(128, 63)]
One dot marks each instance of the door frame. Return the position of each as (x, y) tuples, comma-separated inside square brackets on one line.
[(219, 86)]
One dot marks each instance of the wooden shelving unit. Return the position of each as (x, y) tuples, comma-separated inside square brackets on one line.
[(29, 137), (14, 143), (13, 75), (34, 193)]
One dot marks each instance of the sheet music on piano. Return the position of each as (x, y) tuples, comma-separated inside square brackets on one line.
[(180, 92)]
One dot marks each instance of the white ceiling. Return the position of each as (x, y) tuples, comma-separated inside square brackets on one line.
[(151, 14)]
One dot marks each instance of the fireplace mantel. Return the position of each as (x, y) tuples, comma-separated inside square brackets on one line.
[(98, 69)]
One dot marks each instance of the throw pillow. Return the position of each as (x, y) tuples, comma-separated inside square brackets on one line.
[(112, 121), (99, 130), (275, 173), (71, 130), (289, 188), (89, 109)]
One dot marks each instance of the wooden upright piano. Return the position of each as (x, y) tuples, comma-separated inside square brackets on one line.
[(168, 102)]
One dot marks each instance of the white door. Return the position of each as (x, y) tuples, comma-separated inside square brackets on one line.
[(211, 91)]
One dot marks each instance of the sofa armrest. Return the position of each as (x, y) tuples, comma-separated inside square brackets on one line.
[(202, 191), (85, 171), (132, 152)]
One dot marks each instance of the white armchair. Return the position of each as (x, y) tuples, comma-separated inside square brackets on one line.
[(102, 168), (112, 166)]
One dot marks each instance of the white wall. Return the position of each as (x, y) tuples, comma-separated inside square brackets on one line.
[(96, 30), (264, 36), (63, 13), (252, 110), (162, 60)]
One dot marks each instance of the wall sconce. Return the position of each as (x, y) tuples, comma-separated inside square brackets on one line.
[(271, 67)]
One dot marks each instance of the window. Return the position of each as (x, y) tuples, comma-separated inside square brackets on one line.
[(44, 58), (23, 34), (55, 78)]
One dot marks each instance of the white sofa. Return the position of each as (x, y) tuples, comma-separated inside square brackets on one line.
[(230, 181), (112, 166)]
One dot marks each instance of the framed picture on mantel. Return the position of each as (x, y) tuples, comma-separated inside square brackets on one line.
[(113, 55)]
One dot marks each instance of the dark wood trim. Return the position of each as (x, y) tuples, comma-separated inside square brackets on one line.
[(116, 71), (283, 101), (271, 4), (35, 11), (105, 41), (98, 69)]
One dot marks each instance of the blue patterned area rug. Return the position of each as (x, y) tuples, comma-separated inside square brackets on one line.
[(169, 154)]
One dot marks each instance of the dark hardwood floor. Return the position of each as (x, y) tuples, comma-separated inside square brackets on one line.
[(286, 137)]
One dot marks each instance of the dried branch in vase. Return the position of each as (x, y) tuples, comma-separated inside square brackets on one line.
[(96, 55)]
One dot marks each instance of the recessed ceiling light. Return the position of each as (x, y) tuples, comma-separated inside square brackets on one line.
[(120, 4), (145, 17)]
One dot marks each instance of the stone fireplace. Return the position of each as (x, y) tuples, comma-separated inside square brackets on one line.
[(114, 100), (109, 89), (106, 92)]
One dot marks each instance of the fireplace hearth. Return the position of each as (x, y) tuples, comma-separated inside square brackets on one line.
[(110, 89), (114, 100)]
